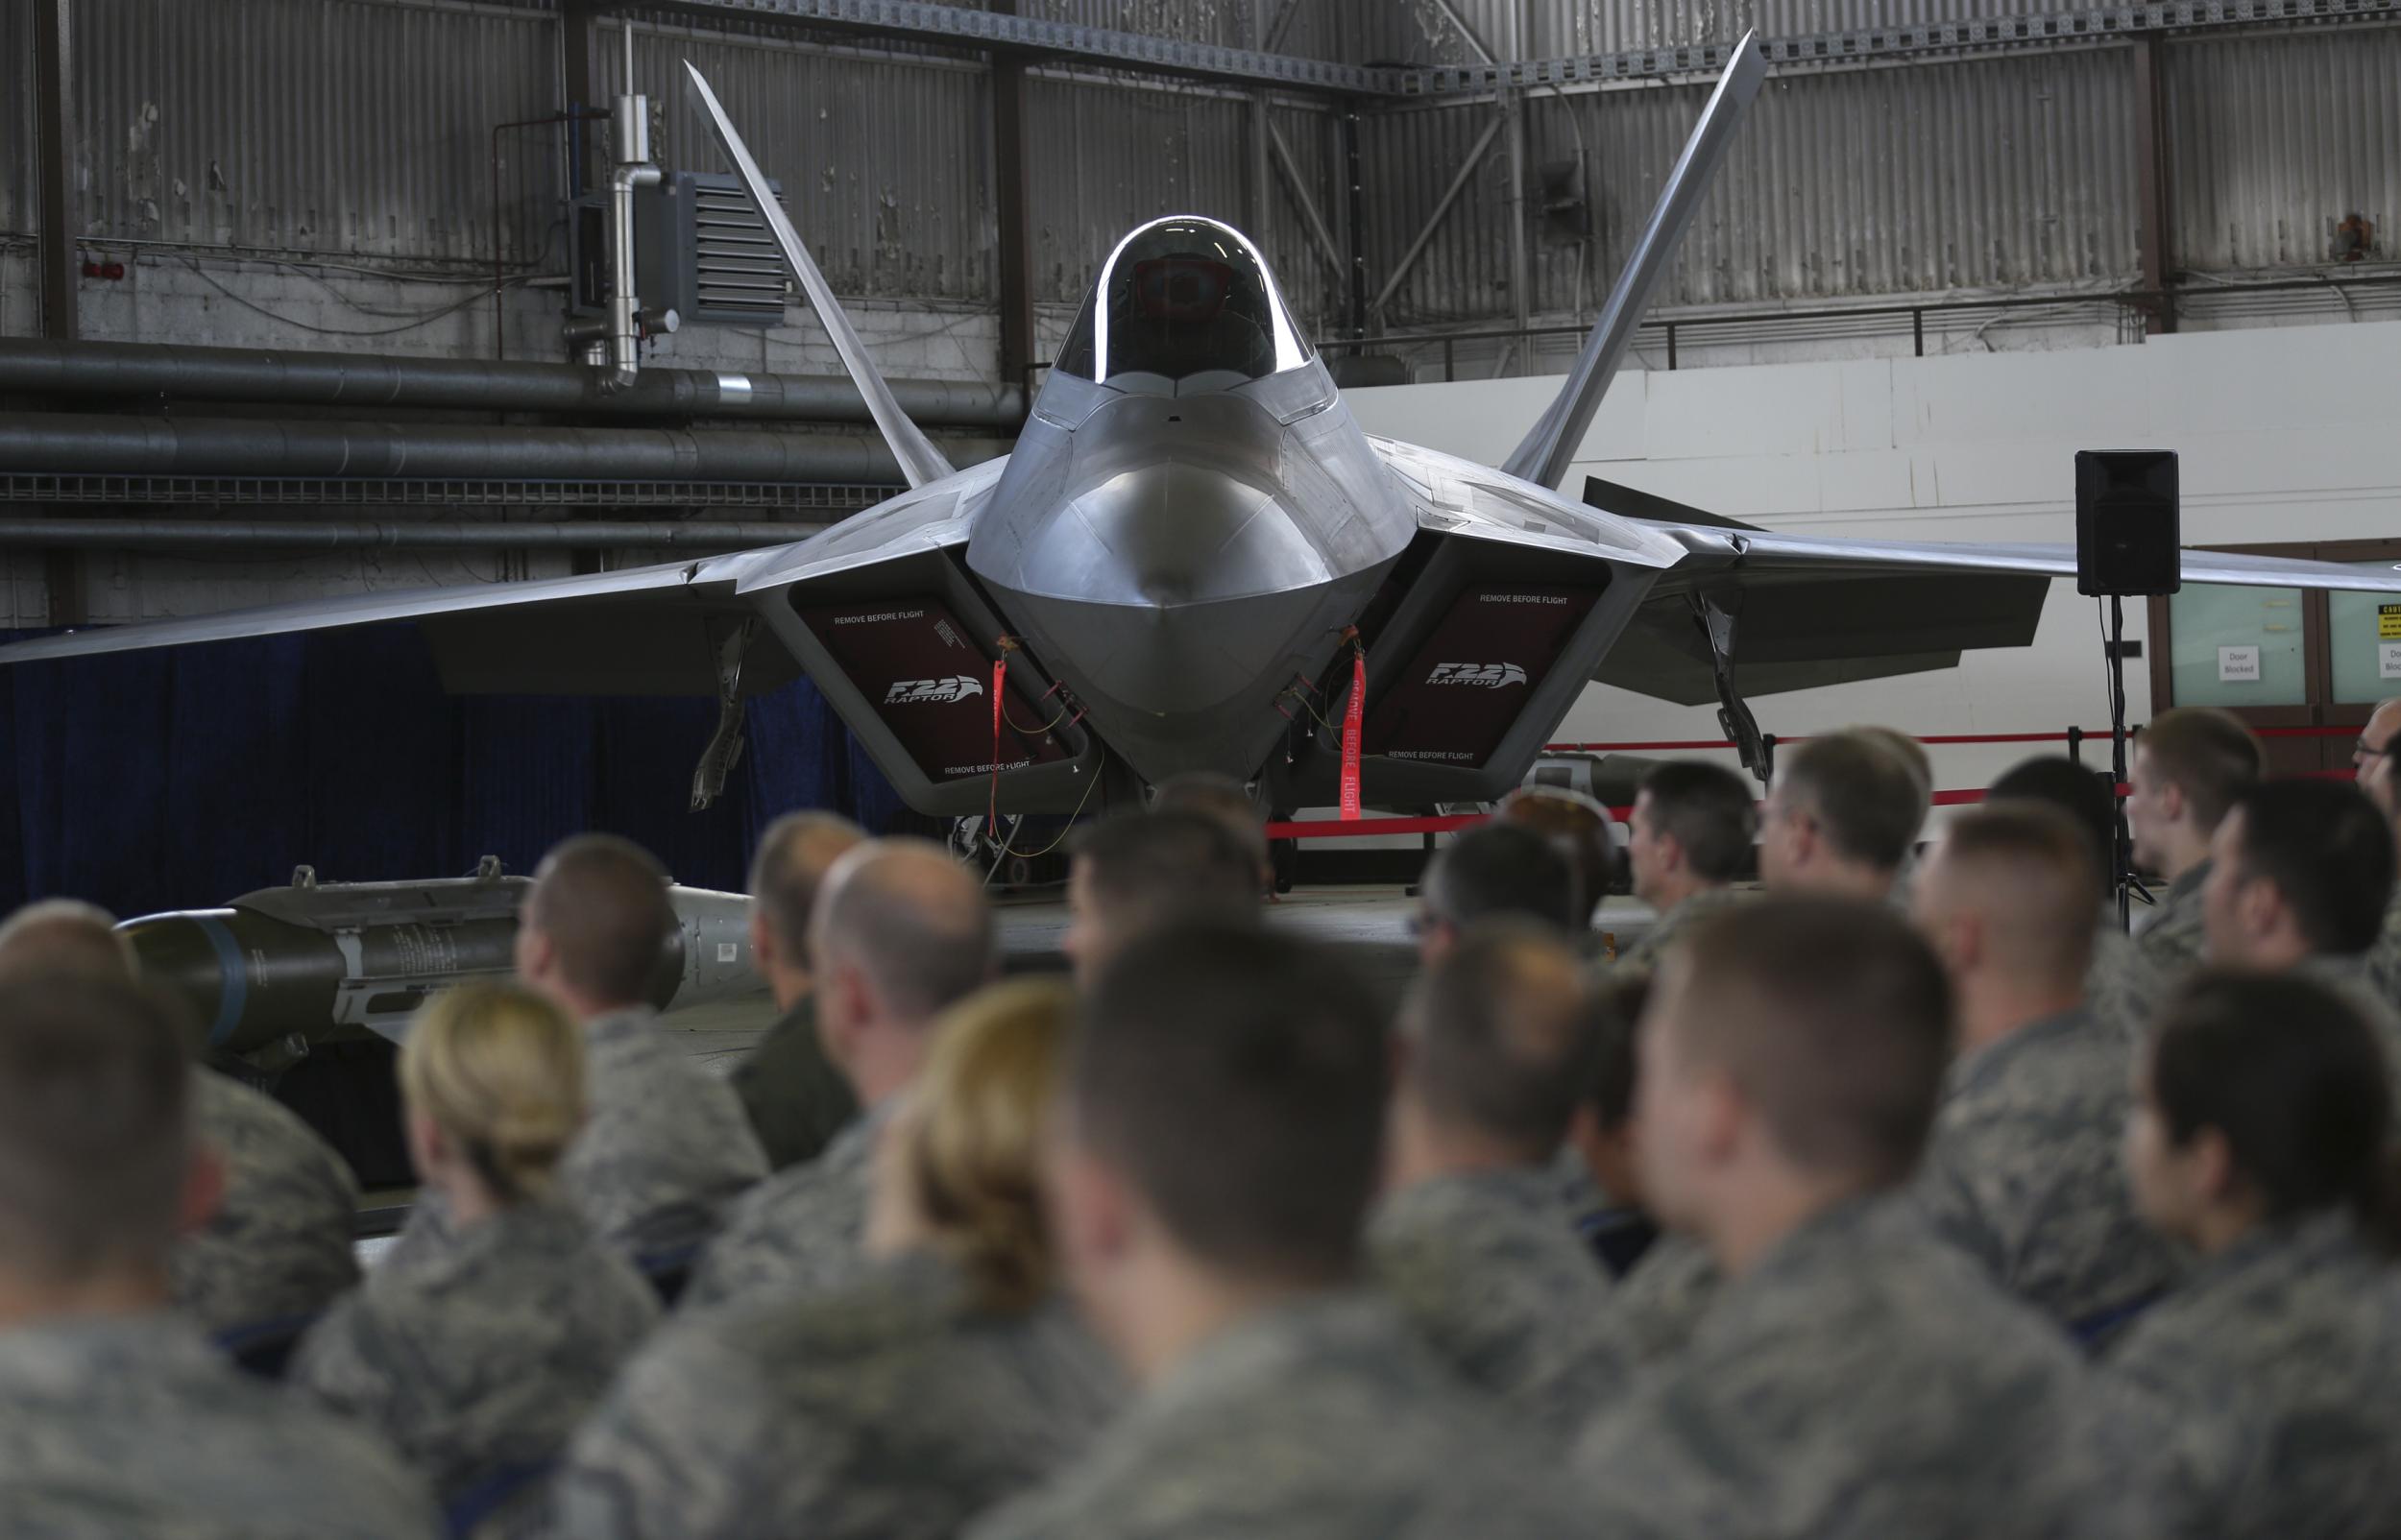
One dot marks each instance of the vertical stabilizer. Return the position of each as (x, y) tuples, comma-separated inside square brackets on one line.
[(1543, 456)]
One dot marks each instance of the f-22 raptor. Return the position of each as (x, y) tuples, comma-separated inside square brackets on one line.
[(1196, 559)]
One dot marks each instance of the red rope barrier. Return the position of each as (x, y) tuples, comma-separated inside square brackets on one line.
[(2088, 735)]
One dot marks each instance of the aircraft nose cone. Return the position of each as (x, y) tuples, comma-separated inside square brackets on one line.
[(1172, 533)]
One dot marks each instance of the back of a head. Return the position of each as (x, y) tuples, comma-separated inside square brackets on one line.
[(977, 1115), (2082, 795), (2329, 852), (1217, 796), (1913, 757), (1237, 1080), (1618, 1001), (601, 900), (2207, 753), (1710, 812), (1863, 792), (1497, 869), (1833, 1018), (2291, 1074), (913, 920), (1577, 826), (95, 1135), (793, 856), (1166, 865), (2027, 871), (64, 935), (1502, 1038), (500, 1071)]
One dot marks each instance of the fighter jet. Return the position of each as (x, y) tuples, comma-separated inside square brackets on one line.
[(1196, 559)]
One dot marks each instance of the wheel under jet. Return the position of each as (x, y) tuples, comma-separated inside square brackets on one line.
[(1194, 559)]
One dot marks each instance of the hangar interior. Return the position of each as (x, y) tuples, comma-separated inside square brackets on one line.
[(1953, 242)]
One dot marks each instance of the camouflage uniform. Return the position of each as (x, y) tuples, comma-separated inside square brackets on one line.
[(279, 1245), (2261, 1392), (1660, 1304), (134, 1428), (796, 1099), (1489, 1270), (2384, 958), (797, 1230), (1315, 1420), (665, 1153), (2351, 977), (1861, 1381), (892, 1411), (2176, 939), (2023, 1172), (2123, 985), (1679, 919), (482, 1356)]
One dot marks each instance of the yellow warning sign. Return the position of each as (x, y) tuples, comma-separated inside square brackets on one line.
[(2388, 622)]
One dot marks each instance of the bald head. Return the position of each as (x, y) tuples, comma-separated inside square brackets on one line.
[(1503, 1037), (794, 855), (600, 908), (64, 935), (2012, 896), (912, 922)]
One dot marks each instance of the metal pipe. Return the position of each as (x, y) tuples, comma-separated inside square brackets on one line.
[(632, 149), (217, 535), (79, 444), (150, 370)]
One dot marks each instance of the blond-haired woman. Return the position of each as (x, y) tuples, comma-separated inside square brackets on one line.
[(944, 1378), (478, 1359)]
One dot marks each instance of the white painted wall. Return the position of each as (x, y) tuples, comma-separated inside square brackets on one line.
[(2284, 434)]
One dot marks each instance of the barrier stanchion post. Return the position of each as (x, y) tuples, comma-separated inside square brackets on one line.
[(2076, 746)]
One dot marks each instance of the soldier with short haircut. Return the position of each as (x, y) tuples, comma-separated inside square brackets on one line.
[(2124, 984), (276, 1246), (1492, 871), (1600, 1133), (117, 1419), (2300, 875), (1472, 1239), (2023, 1169), (796, 1099), (1578, 827), (1694, 825), (478, 1359), (1843, 818), (2372, 757), (949, 1375), (900, 933), (1854, 1377), (1217, 1150), (2189, 766), (2261, 1391), (1213, 794), (1135, 872)]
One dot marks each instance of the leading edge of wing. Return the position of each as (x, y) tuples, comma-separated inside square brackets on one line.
[(1805, 553)]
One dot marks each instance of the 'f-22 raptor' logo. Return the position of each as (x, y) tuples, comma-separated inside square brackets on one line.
[(1481, 676), (931, 691)]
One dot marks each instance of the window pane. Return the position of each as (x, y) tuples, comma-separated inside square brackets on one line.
[(2367, 643), (2237, 646)]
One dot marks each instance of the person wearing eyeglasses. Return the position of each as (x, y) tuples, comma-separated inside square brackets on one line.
[(2372, 757)]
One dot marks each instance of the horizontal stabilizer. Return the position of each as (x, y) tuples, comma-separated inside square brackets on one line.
[(1612, 497)]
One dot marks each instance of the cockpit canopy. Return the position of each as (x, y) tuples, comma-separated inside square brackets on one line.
[(1184, 305)]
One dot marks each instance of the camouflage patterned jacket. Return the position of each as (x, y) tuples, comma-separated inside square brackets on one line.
[(2176, 939), (667, 1148), (2384, 958), (2023, 1172), (1660, 1304), (2263, 1389), (2353, 977), (2125, 984), (892, 1411), (1489, 1271), (134, 1428), (797, 1230), (1679, 919), (484, 1355), (1861, 1381), (279, 1243), (796, 1099), (1315, 1420)]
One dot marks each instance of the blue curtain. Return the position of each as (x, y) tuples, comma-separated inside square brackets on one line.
[(182, 778)]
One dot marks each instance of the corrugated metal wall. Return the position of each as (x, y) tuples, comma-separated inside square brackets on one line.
[(17, 117), (1418, 32), (2276, 139), (325, 125), (1995, 173)]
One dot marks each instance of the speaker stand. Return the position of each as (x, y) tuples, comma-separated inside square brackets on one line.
[(2120, 843)]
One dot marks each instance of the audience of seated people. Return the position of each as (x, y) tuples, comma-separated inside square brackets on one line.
[(796, 1099), (1472, 1238), (947, 1375), (900, 932), (478, 1359), (1199, 1245)]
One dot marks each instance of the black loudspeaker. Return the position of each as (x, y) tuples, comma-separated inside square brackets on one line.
[(2127, 535)]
